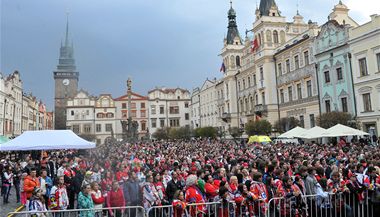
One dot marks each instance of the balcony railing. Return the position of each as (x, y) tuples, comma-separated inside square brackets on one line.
[(261, 108)]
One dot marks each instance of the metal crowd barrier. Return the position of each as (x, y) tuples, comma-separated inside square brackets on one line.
[(129, 211), (328, 205)]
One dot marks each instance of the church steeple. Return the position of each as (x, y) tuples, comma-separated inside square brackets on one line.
[(66, 55), (268, 8), (233, 31)]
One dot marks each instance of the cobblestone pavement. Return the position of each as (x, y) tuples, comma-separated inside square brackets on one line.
[(11, 206)]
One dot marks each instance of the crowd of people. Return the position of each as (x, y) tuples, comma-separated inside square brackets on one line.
[(178, 173)]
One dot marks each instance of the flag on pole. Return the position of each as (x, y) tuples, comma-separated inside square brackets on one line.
[(255, 45), (223, 68)]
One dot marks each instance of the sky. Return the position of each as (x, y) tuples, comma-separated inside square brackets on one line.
[(172, 43)]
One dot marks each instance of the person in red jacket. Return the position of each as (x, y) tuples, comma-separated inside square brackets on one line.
[(179, 204), (194, 195), (211, 188), (31, 182), (115, 198), (97, 197)]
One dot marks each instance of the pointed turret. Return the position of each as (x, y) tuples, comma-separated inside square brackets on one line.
[(233, 36), (66, 55), (268, 8)]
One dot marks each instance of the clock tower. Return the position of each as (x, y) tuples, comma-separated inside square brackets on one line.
[(66, 81)]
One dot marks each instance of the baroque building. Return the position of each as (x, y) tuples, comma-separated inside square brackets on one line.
[(364, 42), (168, 107), (332, 53), (296, 79)]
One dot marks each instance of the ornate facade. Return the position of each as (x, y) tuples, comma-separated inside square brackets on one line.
[(297, 87), (365, 52)]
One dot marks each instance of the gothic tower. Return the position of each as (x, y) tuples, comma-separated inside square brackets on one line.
[(66, 81)]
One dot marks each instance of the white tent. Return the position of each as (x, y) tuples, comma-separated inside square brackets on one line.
[(342, 130), (46, 140), (315, 132), (293, 133)]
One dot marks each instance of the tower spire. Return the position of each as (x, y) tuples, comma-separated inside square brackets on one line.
[(298, 13), (67, 30)]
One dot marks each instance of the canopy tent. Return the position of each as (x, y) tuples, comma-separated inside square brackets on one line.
[(259, 139), (293, 133), (46, 140), (315, 132), (342, 130)]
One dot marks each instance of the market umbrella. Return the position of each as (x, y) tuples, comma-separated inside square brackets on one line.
[(3, 139)]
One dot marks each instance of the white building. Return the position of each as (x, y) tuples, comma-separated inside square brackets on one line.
[(105, 118), (364, 42), (168, 108)]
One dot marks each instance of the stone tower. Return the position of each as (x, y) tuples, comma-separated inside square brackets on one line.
[(66, 80)]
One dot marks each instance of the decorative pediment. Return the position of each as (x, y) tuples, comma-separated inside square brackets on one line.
[(326, 67), (365, 89), (338, 63), (326, 96), (343, 93)]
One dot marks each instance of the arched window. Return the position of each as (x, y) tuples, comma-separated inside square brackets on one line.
[(269, 36), (282, 36), (232, 61), (256, 99), (275, 36), (238, 61), (259, 36)]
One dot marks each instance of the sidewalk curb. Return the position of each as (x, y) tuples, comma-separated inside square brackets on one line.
[(16, 210)]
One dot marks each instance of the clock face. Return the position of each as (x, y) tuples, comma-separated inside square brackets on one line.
[(66, 82)]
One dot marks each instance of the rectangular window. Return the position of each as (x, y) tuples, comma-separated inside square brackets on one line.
[(344, 104), (174, 110), (378, 61), (254, 79), (327, 105), (186, 105), (243, 84), (290, 93), (143, 113), (327, 76), (87, 128), (98, 128), (133, 105), (296, 62), (123, 105), (363, 67), (186, 116), (279, 68), (76, 128), (161, 110), (142, 105), (287, 66), (299, 91), (312, 120), (282, 95), (261, 73), (72, 113), (162, 123), (153, 121), (302, 121), (249, 82), (239, 87), (306, 57), (367, 102), (309, 89), (339, 73), (143, 126), (108, 127), (263, 98), (174, 122), (153, 109), (133, 113)]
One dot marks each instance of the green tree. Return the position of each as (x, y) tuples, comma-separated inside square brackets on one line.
[(261, 127), (285, 124), (205, 132), (330, 119), (235, 132), (161, 133)]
